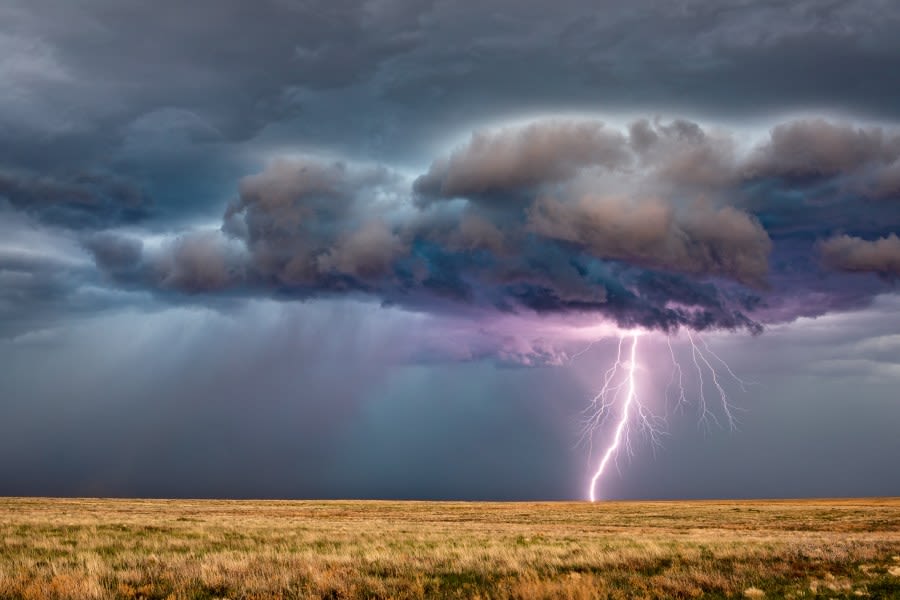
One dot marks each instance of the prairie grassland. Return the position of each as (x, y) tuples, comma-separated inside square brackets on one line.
[(91, 549)]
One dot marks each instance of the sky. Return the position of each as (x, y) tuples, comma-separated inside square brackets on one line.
[(389, 248)]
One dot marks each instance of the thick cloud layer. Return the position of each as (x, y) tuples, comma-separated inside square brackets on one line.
[(848, 253), (660, 225), (500, 182), (516, 158), (81, 200), (707, 241)]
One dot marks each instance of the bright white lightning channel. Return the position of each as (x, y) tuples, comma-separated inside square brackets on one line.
[(621, 379), (623, 419)]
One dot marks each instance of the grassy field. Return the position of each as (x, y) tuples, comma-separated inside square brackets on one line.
[(85, 548)]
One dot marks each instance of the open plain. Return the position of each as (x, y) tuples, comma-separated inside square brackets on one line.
[(112, 548)]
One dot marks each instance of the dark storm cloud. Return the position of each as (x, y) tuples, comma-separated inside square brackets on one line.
[(45, 277), (91, 86), (660, 227), (516, 158), (847, 253), (727, 59), (232, 64), (114, 253), (306, 228), (303, 225), (79, 200), (79, 77), (774, 55), (159, 94), (707, 241), (557, 215), (199, 261), (817, 148), (305, 222), (496, 176)]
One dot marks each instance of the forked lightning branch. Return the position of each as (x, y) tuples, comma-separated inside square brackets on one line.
[(621, 398)]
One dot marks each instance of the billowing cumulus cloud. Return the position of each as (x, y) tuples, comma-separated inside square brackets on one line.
[(369, 251), (307, 222), (514, 158), (819, 149), (704, 240), (197, 262), (847, 253), (660, 225), (489, 183)]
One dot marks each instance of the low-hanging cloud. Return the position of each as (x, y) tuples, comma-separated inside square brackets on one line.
[(496, 162), (849, 253), (818, 148), (703, 240), (306, 222), (258, 200), (80, 200), (660, 226)]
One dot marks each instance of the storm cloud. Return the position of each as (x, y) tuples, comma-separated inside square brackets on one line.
[(495, 182), (848, 253), (515, 158), (555, 216)]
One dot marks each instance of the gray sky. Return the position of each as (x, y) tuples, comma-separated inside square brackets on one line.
[(367, 249)]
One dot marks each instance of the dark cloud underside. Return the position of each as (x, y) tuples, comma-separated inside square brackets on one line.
[(662, 225), (480, 180)]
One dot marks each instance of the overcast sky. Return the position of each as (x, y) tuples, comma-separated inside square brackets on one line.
[(387, 248)]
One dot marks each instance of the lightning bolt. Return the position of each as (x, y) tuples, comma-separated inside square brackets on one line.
[(623, 418), (620, 379)]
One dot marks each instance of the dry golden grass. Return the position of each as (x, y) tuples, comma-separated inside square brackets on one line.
[(91, 549)]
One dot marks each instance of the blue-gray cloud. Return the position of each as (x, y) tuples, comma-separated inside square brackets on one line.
[(662, 225), (706, 165)]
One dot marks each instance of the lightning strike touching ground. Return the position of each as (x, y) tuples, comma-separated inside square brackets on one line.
[(603, 397), (620, 379)]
